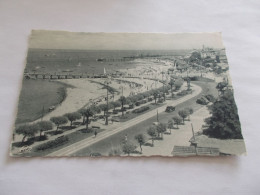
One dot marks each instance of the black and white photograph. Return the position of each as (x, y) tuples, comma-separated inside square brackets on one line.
[(126, 94)]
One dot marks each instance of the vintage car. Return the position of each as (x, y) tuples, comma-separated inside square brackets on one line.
[(170, 109)]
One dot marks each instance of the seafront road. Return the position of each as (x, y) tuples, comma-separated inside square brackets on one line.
[(113, 129)]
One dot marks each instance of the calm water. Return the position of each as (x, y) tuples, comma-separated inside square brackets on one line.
[(85, 61), (38, 93)]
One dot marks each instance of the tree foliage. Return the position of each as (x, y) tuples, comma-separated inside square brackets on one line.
[(44, 126), (73, 116), (141, 140), (183, 114), (27, 130), (170, 125), (152, 133), (177, 120), (59, 120), (224, 122), (189, 111), (128, 148), (116, 104), (155, 95), (171, 83), (122, 100), (161, 128), (89, 112), (178, 83), (221, 87)]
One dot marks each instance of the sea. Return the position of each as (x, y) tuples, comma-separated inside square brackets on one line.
[(88, 61), (37, 95)]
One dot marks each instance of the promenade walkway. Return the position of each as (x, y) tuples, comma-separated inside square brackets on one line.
[(115, 128)]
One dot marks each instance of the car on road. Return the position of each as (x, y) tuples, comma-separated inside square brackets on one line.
[(95, 154), (170, 109)]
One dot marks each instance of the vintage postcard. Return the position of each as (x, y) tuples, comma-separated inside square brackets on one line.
[(126, 94)]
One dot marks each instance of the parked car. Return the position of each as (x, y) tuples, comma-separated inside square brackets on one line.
[(170, 109), (95, 154), (202, 101)]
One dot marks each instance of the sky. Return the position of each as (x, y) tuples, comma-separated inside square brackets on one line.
[(122, 41)]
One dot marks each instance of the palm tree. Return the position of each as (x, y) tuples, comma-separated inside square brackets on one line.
[(122, 99), (155, 95), (88, 112), (171, 83)]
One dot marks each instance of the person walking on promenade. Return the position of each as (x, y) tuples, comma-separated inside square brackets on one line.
[(95, 133)]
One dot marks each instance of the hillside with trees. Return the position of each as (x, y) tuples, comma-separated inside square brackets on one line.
[(224, 122)]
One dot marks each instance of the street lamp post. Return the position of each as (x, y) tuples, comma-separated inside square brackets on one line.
[(163, 87), (107, 83), (121, 87)]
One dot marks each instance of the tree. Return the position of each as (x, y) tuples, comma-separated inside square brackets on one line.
[(178, 83), (195, 56), (44, 126), (116, 104), (128, 148), (152, 132), (183, 114), (224, 121), (161, 128), (155, 95), (170, 125), (122, 100), (103, 107), (88, 112), (177, 120), (81, 111), (73, 116), (140, 139), (189, 111), (221, 87), (171, 83), (59, 120), (27, 130)]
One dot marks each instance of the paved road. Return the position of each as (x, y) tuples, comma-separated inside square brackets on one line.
[(69, 150)]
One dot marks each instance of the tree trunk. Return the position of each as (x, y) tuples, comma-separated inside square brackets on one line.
[(83, 121), (122, 108), (71, 123), (23, 138), (87, 118), (40, 133), (141, 148), (171, 91), (152, 141)]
